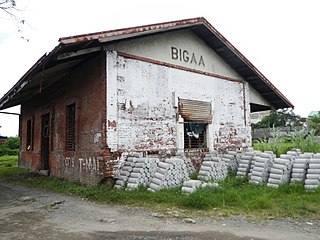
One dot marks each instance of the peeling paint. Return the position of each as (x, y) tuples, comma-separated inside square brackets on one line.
[(146, 115), (112, 124), (96, 138)]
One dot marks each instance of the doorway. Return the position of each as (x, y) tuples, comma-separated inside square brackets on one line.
[(45, 139)]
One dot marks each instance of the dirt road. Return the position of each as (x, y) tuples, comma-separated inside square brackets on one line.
[(31, 213)]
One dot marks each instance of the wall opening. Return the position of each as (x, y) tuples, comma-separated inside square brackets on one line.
[(197, 115), (28, 138), (195, 135), (30, 134), (45, 140), (71, 127)]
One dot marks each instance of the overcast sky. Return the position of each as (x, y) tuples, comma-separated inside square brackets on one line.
[(280, 37)]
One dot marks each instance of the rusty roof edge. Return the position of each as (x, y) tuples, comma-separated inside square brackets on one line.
[(246, 61), (132, 30), (22, 82)]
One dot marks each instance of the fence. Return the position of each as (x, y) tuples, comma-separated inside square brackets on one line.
[(279, 131)]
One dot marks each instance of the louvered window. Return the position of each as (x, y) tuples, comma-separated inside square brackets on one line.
[(71, 127), (195, 111)]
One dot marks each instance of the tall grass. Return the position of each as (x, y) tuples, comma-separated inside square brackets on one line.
[(9, 166)]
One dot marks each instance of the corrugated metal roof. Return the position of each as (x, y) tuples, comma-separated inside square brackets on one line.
[(71, 51)]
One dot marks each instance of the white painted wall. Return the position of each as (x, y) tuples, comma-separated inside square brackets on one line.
[(256, 98), (141, 111), (158, 47)]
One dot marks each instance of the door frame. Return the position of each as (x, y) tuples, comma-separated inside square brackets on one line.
[(45, 141)]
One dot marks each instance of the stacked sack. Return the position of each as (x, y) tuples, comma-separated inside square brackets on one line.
[(213, 169), (257, 154), (142, 172), (313, 174), (245, 161), (261, 169), (230, 158), (190, 167), (170, 173), (191, 186), (280, 170), (208, 156), (125, 172), (299, 168)]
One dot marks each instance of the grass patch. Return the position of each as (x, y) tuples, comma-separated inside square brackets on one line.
[(235, 196), (9, 168)]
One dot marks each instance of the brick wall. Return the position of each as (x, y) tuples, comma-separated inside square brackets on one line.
[(84, 86)]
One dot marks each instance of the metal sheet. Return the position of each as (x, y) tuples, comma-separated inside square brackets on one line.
[(195, 111)]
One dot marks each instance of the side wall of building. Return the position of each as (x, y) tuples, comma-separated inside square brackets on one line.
[(84, 87), (142, 113)]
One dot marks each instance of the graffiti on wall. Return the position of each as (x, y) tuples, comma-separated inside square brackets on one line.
[(85, 164)]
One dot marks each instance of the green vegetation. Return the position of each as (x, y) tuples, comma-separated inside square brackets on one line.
[(235, 196), (307, 141), (280, 118), (314, 123), (10, 147), (8, 166), (280, 145)]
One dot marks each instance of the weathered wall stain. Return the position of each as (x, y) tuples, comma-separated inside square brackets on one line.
[(85, 87), (146, 115)]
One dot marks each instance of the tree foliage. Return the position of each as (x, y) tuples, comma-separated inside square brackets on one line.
[(280, 118), (10, 147), (314, 123)]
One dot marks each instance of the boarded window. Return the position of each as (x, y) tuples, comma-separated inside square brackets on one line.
[(71, 127), (197, 115), (195, 111)]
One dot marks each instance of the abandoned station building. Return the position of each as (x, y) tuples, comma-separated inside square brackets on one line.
[(158, 89)]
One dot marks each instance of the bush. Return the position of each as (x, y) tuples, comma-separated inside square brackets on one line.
[(10, 147)]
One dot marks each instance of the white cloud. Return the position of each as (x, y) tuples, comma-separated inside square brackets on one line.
[(281, 38)]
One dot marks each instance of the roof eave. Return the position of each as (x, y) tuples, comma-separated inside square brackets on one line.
[(248, 63), (102, 37), (132, 32), (5, 100)]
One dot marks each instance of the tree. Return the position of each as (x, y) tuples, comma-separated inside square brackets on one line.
[(280, 118), (9, 8), (314, 123)]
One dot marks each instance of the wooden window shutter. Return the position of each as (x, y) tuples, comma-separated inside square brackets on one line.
[(195, 111)]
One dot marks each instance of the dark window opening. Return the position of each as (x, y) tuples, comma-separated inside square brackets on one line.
[(195, 135), (45, 140), (29, 128), (71, 127), (30, 134)]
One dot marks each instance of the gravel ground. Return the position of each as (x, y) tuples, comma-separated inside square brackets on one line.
[(31, 213)]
